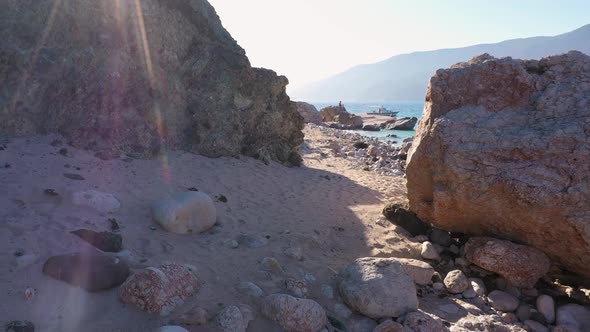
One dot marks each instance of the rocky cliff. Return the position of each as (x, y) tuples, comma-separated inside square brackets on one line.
[(503, 148), (139, 77)]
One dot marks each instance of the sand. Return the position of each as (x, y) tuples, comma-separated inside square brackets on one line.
[(327, 208)]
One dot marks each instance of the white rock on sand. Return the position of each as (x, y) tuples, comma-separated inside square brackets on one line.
[(100, 201), (185, 212)]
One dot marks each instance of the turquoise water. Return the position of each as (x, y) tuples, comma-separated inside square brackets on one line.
[(405, 109)]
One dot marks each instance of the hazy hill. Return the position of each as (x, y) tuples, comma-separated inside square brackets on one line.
[(404, 77)]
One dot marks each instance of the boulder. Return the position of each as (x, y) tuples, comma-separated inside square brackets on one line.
[(371, 128), (97, 200), (185, 212), (188, 85), (343, 119), (309, 113), (293, 314), (91, 271), (402, 124), (520, 265), (378, 288), (502, 148), (160, 289)]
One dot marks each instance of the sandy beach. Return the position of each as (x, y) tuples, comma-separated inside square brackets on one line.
[(327, 210)]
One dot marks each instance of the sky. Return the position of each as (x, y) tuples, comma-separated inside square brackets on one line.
[(308, 40)]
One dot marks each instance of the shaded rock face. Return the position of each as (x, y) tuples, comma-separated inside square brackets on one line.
[(139, 77), (503, 148), (309, 113), (402, 124)]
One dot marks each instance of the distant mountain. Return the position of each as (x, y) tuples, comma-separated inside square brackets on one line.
[(405, 77)]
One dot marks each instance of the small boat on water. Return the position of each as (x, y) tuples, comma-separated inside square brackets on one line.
[(380, 110)]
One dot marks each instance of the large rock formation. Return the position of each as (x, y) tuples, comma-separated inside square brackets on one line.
[(503, 148), (139, 76), (309, 113), (340, 117)]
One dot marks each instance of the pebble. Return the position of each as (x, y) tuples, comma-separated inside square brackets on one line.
[(503, 301), (271, 264), (546, 306), (97, 200), (74, 176), (250, 289), (297, 288), (439, 286), (456, 282), (232, 319), (252, 241), (295, 253), (478, 286), (429, 251), (327, 291)]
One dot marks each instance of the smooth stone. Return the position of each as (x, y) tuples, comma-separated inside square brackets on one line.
[(271, 264), (546, 306), (428, 251), (250, 289), (341, 311), (478, 286), (503, 301), (358, 323), (252, 241), (93, 272), (185, 212), (469, 293), (523, 312), (97, 200), (172, 328), (456, 282), (574, 315), (232, 319), (105, 241)]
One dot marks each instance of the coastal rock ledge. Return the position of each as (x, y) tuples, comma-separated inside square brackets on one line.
[(140, 77), (503, 148)]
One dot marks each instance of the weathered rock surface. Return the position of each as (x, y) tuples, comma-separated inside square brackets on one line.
[(183, 82), (93, 272), (456, 282), (418, 321), (502, 148), (309, 113), (341, 117), (521, 265), (389, 326), (402, 124), (293, 314), (185, 212), (160, 289), (378, 288)]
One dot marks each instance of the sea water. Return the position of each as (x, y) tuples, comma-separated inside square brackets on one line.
[(405, 109)]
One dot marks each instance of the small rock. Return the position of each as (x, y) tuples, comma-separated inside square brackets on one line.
[(295, 253), (63, 151), (521, 265), (50, 192), (231, 319), (195, 316), (478, 286), (392, 294), (503, 301), (20, 326), (294, 314), (160, 290), (185, 212), (341, 311), (97, 200), (105, 241), (114, 224), (270, 264), (358, 323), (429, 251), (250, 289), (523, 312), (172, 328), (438, 286), (297, 288), (222, 198), (233, 244), (469, 293), (546, 306), (456, 282), (74, 176), (509, 318), (420, 321), (440, 237), (93, 272), (327, 291), (252, 241), (574, 315), (535, 326), (401, 216), (389, 326)]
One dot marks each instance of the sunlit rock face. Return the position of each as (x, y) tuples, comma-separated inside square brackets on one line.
[(139, 76), (503, 148)]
